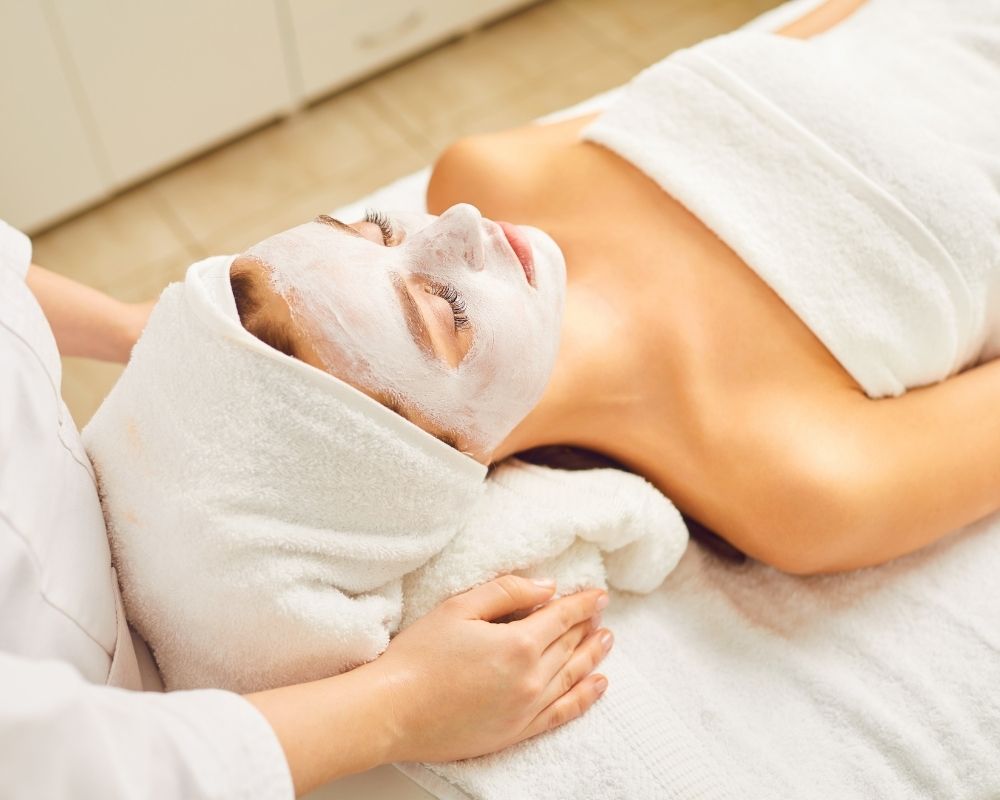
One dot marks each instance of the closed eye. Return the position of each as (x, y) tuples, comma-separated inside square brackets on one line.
[(384, 224), (450, 294)]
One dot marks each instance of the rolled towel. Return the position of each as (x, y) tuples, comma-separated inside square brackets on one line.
[(270, 524)]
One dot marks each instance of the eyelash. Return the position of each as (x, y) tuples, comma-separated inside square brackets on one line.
[(455, 300), (446, 292), (384, 223)]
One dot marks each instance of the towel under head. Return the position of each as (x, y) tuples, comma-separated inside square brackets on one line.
[(219, 454)]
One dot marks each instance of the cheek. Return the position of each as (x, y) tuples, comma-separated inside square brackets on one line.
[(511, 339)]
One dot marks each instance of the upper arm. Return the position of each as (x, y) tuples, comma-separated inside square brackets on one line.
[(785, 478), (821, 18), (879, 478)]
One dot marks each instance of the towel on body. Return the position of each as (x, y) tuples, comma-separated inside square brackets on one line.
[(270, 524), (855, 172)]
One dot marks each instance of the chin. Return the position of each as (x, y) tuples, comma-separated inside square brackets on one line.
[(550, 264)]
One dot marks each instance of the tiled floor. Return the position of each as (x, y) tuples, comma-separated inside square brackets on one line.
[(546, 57)]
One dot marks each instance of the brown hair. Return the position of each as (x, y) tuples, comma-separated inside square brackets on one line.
[(244, 277), (250, 302)]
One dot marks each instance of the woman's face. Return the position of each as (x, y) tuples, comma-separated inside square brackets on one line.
[(452, 320)]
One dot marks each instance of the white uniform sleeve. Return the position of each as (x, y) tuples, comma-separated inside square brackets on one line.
[(15, 249), (61, 737)]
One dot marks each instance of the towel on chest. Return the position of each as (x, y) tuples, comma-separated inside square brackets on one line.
[(855, 172)]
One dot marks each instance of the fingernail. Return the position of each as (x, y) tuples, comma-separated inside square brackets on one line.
[(606, 640), (545, 583), (595, 621), (602, 602), (600, 685)]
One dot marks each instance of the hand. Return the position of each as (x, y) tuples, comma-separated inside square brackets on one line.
[(461, 686)]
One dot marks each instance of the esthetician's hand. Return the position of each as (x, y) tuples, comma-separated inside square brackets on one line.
[(463, 686)]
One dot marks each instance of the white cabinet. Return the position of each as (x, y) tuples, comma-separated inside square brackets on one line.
[(338, 41), (164, 80), (98, 94), (47, 165)]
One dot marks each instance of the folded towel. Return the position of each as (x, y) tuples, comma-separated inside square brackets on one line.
[(588, 528), (738, 681), (855, 172), (270, 524)]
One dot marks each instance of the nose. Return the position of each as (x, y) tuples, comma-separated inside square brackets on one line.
[(459, 236)]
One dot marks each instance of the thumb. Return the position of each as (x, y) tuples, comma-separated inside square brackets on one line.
[(502, 596)]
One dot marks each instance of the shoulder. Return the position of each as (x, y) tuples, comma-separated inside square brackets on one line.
[(481, 169), (499, 172), (791, 470)]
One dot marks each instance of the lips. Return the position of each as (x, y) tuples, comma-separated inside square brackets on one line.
[(522, 249)]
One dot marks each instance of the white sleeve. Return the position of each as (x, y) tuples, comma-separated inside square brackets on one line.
[(61, 737), (15, 250)]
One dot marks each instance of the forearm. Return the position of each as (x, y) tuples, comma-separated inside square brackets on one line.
[(332, 727), (933, 466), (85, 322)]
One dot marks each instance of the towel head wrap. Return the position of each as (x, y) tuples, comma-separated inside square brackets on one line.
[(218, 454)]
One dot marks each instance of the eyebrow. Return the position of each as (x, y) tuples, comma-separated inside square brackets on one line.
[(414, 319), (336, 223)]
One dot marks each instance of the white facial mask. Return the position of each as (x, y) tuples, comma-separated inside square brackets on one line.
[(348, 294)]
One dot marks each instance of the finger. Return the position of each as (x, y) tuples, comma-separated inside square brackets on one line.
[(580, 664), (499, 597), (569, 706), (561, 650), (549, 623)]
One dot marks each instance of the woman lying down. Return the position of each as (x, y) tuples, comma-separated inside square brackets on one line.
[(766, 279)]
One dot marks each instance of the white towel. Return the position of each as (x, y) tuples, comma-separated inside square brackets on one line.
[(588, 528), (740, 682), (856, 172), (270, 524)]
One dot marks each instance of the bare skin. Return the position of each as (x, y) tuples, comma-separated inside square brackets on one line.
[(681, 363)]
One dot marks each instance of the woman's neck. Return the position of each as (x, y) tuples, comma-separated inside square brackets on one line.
[(594, 392)]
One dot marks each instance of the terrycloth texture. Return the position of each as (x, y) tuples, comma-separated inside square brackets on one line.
[(737, 681), (592, 528), (271, 525), (261, 513), (856, 172)]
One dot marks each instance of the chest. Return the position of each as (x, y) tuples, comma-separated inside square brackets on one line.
[(710, 331)]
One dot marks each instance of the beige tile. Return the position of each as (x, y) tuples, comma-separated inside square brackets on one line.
[(502, 76), (694, 26), (623, 21), (305, 205), (542, 38), (433, 88), (146, 281), (85, 384), (239, 179), (559, 89), (345, 135), (106, 244), (335, 140)]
